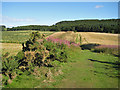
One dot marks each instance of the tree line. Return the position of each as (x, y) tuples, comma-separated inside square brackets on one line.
[(107, 26), (3, 28)]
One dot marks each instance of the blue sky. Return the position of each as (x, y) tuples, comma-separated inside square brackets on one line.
[(49, 13)]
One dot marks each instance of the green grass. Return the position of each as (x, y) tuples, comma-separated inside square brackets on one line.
[(84, 73), (18, 36), (80, 72), (85, 69), (24, 81)]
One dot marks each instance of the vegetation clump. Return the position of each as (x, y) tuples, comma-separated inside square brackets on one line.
[(108, 49), (36, 52)]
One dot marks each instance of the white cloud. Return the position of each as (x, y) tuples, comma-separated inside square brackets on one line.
[(6, 19), (99, 6)]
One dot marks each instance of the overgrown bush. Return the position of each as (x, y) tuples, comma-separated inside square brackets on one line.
[(57, 51), (36, 52), (9, 68)]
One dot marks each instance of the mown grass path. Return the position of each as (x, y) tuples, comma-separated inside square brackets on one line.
[(84, 73)]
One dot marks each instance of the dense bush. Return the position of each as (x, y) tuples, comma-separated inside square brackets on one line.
[(9, 68), (57, 51), (37, 52)]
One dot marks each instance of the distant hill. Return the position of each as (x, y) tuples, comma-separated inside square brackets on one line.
[(107, 26)]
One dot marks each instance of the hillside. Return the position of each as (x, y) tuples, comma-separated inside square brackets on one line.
[(107, 26)]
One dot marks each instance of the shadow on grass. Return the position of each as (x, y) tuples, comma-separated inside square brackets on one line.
[(114, 65), (108, 74), (117, 63), (89, 46), (99, 50), (116, 55)]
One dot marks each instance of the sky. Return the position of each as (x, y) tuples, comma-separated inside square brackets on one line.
[(49, 13)]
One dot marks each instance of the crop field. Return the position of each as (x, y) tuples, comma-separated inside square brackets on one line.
[(12, 48), (90, 37), (18, 36), (100, 38), (11, 40), (83, 69)]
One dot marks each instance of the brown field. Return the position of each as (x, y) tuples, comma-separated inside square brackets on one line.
[(100, 38), (92, 37), (12, 48)]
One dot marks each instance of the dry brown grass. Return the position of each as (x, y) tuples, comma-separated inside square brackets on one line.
[(70, 36), (100, 38), (91, 37), (57, 34), (12, 48)]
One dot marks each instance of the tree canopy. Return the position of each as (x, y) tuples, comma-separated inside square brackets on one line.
[(107, 26)]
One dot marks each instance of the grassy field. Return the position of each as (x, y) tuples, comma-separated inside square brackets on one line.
[(18, 36), (84, 73), (79, 73), (12, 48), (90, 74), (86, 69), (11, 40)]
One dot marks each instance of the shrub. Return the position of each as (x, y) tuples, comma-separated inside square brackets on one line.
[(9, 68), (57, 51), (20, 55), (37, 52)]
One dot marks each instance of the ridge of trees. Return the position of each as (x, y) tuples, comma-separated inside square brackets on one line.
[(95, 25)]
